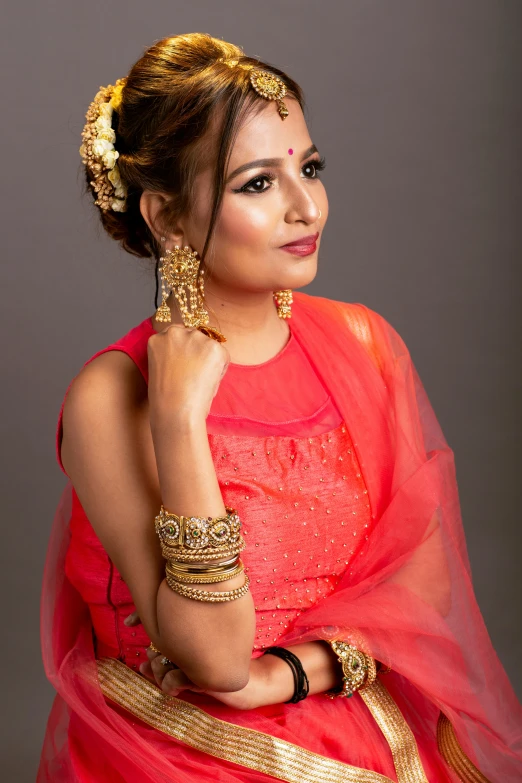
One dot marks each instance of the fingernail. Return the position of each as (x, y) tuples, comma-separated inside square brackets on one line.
[(126, 621), (142, 668)]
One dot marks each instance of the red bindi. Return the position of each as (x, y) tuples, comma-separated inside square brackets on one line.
[(290, 151)]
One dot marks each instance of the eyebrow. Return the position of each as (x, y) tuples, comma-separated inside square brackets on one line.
[(254, 164)]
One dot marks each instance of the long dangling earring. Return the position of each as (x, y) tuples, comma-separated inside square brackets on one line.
[(283, 300), (181, 273)]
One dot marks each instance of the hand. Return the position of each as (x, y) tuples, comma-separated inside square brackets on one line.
[(185, 370), (132, 619), (172, 680)]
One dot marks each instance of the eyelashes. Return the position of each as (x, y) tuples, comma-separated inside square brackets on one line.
[(317, 165)]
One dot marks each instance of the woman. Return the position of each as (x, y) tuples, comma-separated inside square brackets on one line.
[(306, 442)]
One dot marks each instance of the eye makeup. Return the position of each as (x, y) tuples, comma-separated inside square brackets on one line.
[(317, 164)]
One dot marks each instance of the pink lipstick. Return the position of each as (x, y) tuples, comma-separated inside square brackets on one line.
[(304, 246)]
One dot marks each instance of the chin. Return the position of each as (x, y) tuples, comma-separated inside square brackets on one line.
[(298, 276)]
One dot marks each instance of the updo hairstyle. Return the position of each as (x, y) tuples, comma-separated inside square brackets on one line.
[(169, 98)]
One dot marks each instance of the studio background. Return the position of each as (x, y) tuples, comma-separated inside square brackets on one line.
[(416, 105)]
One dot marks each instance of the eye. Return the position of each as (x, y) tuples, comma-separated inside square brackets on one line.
[(311, 170), (314, 166), (255, 183)]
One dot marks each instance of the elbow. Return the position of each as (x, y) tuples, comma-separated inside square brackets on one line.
[(222, 682)]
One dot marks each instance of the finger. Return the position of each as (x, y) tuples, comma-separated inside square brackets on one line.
[(132, 619), (178, 326), (151, 654), (146, 670), (175, 681), (160, 669)]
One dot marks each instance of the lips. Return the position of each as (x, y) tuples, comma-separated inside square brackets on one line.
[(311, 239)]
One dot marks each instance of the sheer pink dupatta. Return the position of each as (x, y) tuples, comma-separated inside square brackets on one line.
[(409, 591)]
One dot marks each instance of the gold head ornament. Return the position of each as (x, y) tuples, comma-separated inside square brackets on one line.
[(265, 83)]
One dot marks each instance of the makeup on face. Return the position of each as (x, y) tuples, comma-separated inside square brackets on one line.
[(304, 246)]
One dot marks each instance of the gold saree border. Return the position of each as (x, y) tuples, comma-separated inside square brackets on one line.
[(247, 747), (398, 734), (452, 752), (273, 756)]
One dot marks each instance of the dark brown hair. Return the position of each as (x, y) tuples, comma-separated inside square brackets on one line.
[(171, 96)]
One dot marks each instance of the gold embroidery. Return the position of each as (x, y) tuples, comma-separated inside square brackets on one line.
[(193, 726), (399, 736), (265, 753), (450, 748)]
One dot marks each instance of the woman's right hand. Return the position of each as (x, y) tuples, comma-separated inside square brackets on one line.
[(185, 370)]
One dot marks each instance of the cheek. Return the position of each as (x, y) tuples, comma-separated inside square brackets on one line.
[(246, 222)]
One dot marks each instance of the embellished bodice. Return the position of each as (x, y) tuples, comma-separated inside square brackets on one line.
[(301, 498), (305, 515)]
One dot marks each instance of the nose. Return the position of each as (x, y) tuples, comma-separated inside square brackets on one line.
[(302, 206)]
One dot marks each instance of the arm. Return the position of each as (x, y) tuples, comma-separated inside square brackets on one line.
[(319, 662), (271, 680), (124, 458)]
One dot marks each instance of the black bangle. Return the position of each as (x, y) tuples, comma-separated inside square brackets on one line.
[(301, 684)]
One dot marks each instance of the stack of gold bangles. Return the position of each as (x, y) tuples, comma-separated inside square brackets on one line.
[(202, 550)]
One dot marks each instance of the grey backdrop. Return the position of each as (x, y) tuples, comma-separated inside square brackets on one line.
[(417, 106)]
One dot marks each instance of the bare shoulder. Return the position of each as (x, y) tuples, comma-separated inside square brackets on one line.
[(106, 410)]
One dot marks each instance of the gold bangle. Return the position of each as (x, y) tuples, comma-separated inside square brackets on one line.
[(198, 568), (180, 535), (208, 595), (359, 669), (204, 577), (184, 556)]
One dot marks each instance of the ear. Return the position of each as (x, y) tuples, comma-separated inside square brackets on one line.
[(151, 204)]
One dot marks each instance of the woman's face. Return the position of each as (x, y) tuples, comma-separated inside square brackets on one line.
[(265, 206)]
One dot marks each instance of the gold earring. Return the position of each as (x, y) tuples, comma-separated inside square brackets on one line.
[(283, 300), (180, 272)]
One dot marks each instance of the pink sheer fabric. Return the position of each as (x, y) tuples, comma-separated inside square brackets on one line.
[(410, 596)]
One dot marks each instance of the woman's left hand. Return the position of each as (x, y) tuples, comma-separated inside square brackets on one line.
[(173, 680)]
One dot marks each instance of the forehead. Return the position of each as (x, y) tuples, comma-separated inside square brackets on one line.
[(263, 134)]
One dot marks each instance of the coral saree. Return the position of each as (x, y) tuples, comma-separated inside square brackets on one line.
[(335, 461)]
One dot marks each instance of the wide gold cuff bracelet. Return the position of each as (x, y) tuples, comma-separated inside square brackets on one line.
[(359, 669), (199, 538)]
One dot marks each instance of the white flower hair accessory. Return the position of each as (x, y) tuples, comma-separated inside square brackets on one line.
[(98, 151)]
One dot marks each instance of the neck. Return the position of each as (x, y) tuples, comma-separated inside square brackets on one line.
[(249, 321)]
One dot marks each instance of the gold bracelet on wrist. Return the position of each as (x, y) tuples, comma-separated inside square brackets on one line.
[(204, 576), (213, 596), (207, 567), (186, 539), (206, 556), (359, 669)]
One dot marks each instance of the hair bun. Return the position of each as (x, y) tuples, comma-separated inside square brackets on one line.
[(98, 152), (165, 107)]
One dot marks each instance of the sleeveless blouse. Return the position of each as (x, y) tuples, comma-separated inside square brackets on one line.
[(300, 495), (285, 459)]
